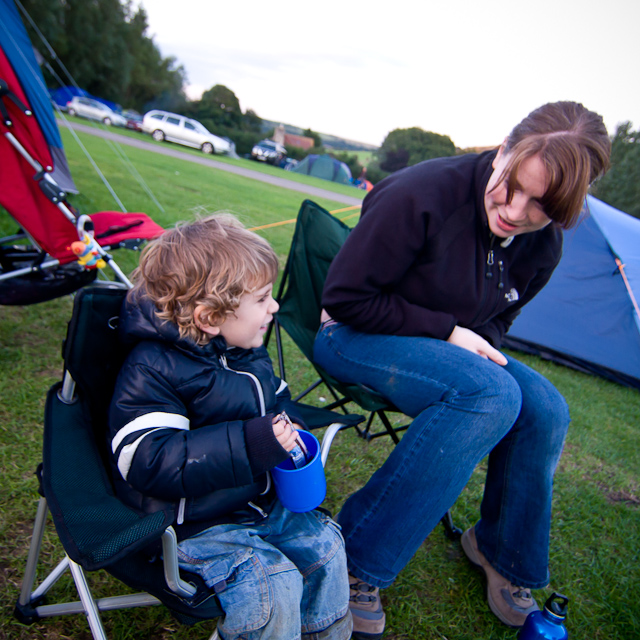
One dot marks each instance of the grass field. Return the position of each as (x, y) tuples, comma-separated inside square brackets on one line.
[(596, 526)]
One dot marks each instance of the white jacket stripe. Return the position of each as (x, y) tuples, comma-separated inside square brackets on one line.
[(282, 387), (157, 419), (128, 451)]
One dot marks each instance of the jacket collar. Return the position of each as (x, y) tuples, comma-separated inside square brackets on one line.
[(139, 321)]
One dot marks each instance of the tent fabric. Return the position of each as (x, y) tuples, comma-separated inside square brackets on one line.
[(324, 167), (66, 94), (585, 317), (19, 61), (38, 134)]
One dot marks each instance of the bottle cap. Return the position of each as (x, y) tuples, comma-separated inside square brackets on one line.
[(557, 605)]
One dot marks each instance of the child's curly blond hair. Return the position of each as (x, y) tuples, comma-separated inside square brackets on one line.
[(212, 262)]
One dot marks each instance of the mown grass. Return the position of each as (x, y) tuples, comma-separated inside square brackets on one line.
[(261, 167), (596, 526)]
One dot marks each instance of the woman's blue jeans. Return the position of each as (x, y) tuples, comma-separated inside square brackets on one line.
[(464, 407)]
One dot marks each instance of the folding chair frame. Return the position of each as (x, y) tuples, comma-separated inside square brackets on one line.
[(63, 400), (366, 398)]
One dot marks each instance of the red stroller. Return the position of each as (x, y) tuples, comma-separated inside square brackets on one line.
[(56, 250)]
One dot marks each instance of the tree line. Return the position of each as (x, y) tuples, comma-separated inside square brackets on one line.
[(620, 186), (103, 46)]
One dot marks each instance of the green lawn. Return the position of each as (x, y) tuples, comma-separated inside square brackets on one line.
[(596, 526)]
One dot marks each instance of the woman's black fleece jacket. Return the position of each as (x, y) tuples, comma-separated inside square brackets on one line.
[(422, 258)]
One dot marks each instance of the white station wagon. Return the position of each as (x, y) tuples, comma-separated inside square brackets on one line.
[(172, 127), (94, 110)]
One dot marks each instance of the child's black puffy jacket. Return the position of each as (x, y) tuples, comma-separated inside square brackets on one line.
[(190, 426)]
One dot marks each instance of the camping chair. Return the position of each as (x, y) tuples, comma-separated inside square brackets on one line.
[(317, 238), (38, 262), (96, 529)]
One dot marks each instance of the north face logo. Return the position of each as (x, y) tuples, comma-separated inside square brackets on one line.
[(512, 295)]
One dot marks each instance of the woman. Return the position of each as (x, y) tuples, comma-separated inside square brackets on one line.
[(416, 303)]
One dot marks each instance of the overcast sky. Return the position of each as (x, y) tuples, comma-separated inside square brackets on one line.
[(468, 69)]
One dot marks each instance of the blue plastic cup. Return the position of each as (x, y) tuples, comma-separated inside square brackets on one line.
[(301, 489)]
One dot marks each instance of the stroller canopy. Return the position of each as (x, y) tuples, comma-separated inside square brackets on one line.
[(20, 70)]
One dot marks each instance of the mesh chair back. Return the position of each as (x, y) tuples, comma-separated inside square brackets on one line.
[(92, 352), (317, 238), (94, 527)]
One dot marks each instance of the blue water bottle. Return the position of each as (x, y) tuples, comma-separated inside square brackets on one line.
[(547, 624)]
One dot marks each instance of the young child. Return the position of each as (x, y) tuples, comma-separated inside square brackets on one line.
[(192, 428)]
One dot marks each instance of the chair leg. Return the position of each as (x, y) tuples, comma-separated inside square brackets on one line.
[(387, 425), (34, 553), (89, 604), (450, 530)]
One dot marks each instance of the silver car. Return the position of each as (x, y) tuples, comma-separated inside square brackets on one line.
[(163, 125), (94, 110)]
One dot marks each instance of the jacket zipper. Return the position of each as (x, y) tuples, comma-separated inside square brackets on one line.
[(256, 382), (263, 412), (490, 262)]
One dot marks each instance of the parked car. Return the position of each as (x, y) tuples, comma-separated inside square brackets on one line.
[(94, 110), (269, 151), (134, 120), (172, 127)]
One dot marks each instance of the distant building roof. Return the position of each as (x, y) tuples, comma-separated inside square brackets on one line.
[(291, 140)]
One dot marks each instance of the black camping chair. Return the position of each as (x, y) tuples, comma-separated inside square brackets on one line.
[(317, 238), (95, 528)]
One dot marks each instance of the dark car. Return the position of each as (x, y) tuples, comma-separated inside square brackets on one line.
[(269, 151), (134, 120)]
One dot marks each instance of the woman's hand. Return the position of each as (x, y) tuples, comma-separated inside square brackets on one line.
[(285, 433), (471, 341)]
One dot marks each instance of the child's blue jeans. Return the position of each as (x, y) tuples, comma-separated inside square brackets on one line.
[(279, 578)]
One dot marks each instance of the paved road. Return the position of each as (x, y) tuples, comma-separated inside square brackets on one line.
[(208, 161)]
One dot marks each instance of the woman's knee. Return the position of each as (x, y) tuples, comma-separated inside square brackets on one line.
[(488, 389), (542, 404)]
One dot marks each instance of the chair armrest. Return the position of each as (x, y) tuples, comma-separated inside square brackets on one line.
[(327, 440), (170, 559)]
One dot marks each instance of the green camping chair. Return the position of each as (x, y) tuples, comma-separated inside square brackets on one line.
[(95, 528), (317, 238)]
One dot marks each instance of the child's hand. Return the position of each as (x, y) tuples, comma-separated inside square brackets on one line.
[(284, 432)]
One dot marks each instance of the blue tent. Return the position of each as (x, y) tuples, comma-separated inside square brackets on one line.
[(587, 315), (324, 167), (65, 94)]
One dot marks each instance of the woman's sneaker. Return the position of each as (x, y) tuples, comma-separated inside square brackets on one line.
[(511, 604), (366, 609)]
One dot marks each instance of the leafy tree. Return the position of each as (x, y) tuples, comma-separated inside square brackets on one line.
[(405, 147), (104, 47), (96, 54), (394, 160), (297, 153), (620, 187), (152, 77), (251, 121), (317, 140), (220, 106)]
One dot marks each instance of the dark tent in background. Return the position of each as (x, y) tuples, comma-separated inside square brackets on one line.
[(324, 167), (587, 315)]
